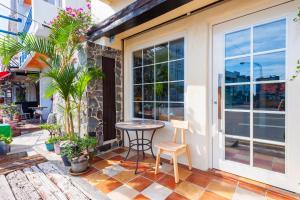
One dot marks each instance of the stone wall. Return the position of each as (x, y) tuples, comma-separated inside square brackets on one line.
[(92, 106)]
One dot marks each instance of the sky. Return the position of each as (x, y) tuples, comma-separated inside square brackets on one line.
[(4, 11)]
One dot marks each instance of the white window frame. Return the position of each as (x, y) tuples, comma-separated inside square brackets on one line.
[(145, 46)]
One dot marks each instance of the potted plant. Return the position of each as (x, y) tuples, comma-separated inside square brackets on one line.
[(90, 144), (75, 151), (17, 116), (4, 145), (50, 144), (58, 142)]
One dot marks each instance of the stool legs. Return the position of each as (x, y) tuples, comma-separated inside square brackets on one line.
[(157, 161), (176, 175)]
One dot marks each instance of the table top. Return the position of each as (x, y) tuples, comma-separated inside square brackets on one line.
[(140, 125), (39, 107)]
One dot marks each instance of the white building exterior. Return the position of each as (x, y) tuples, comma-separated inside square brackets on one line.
[(267, 149)]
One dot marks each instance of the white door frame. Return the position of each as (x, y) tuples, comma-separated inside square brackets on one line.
[(289, 180)]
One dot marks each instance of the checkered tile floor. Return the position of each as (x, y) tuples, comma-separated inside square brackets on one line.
[(117, 179)]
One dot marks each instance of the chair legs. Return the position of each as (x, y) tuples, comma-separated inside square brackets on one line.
[(176, 175), (188, 154), (157, 161)]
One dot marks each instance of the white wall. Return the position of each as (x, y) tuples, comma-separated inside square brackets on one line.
[(102, 9), (74, 4), (44, 83), (42, 12)]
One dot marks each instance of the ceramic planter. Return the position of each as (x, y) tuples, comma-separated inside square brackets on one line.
[(4, 148), (49, 147), (79, 166), (66, 161), (57, 148)]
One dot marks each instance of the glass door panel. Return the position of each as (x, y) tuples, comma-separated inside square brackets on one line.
[(254, 88)]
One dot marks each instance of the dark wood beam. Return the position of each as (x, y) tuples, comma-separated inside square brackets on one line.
[(133, 15)]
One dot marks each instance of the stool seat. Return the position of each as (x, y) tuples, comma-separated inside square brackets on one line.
[(170, 146)]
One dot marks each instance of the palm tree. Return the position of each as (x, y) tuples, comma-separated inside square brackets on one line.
[(57, 52), (85, 76)]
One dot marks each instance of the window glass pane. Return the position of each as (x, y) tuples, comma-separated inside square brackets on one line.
[(149, 74), (137, 110), (177, 91), (269, 156), (137, 75), (148, 110), (177, 70), (269, 126), (237, 70), (269, 96), (237, 97), (269, 67), (177, 49), (237, 123), (161, 72), (161, 91), (161, 53), (237, 150), (137, 89), (148, 56), (137, 58), (148, 92), (162, 111), (177, 111), (269, 36), (237, 43)]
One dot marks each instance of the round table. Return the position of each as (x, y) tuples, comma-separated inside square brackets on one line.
[(134, 127), (38, 111)]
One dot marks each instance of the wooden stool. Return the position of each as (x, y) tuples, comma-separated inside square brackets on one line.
[(175, 149)]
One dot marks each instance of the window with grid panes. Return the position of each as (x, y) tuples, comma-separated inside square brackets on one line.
[(158, 81)]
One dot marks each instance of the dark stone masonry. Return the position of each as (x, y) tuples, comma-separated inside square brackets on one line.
[(92, 107)]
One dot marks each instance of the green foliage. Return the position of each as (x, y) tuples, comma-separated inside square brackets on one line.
[(50, 127), (6, 140), (9, 109), (78, 147)]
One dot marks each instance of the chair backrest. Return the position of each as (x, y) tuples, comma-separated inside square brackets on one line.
[(20, 109), (180, 125)]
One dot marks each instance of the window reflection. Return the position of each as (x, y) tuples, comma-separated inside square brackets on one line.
[(137, 58), (176, 49), (177, 91), (237, 123), (237, 70), (177, 111), (269, 67), (237, 150), (161, 90), (137, 109), (269, 156), (162, 111), (237, 97), (161, 72), (161, 53), (138, 95), (148, 92), (137, 75), (269, 36), (177, 70), (237, 43), (269, 126), (269, 96), (148, 110), (148, 56), (149, 74)]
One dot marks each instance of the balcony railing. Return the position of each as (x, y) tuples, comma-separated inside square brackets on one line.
[(28, 22), (26, 28)]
